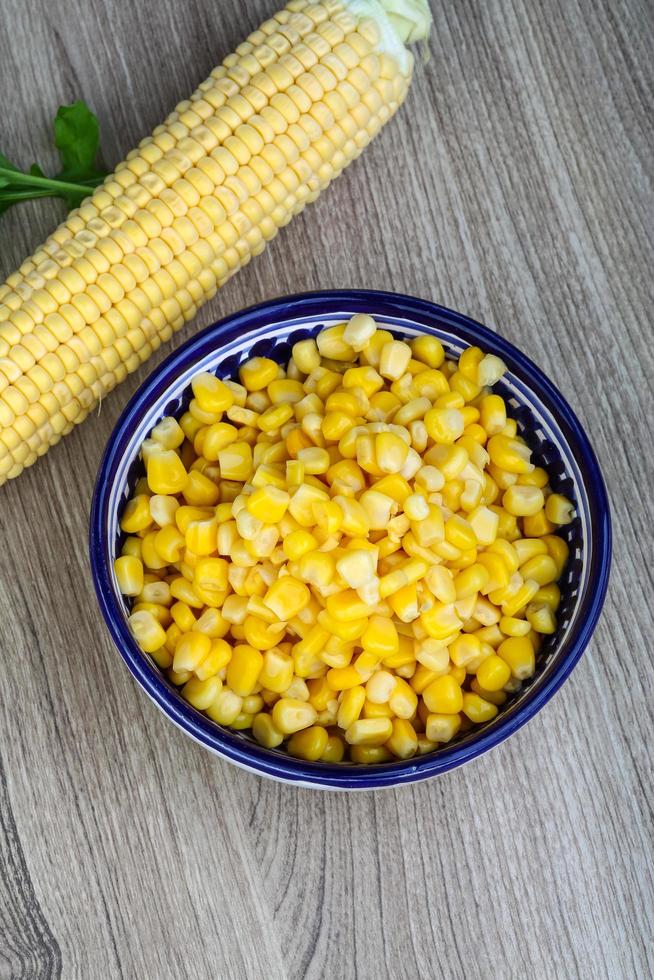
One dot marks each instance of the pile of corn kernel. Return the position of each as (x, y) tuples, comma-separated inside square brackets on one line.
[(352, 556)]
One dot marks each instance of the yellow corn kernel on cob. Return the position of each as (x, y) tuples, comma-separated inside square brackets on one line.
[(261, 137)]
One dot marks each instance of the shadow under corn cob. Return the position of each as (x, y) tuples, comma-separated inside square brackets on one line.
[(261, 137)]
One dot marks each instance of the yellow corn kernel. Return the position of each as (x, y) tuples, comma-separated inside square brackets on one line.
[(558, 550), (394, 358), (351, 705), (317, 568), (225, 708), (537, 478), (259, 634), (477, 709), (166, 473), (202, 537), (514, 627), (492, 410), (291, 715), (332, 345), (298, 543), (523, 501), (369, 731), (190, 426), (440, 728), (217, 658), (132, 546), (343, 678), (309, 744), (440, 582), (359, 331), (129, 575), (163, 509), (465, 650), (136, 515), (257, 373), (327, 515), (268, 504), (285, 391), (495, 697), (550, 595), (379, 687), (429, 350), (148, 632), (404, 603), (459, 533), (390, 452), (266, 732), (211, 393), (433, 655), (444, 425), (440, 621), (518, 653), (192, 648), (380, 637), (383, 405), (524, 594), (498, 573), (334, 750), (541, 568), (471, 580), (275, 417), (509, 454), (443, 696), (493, 673), (235, 461), (286, 597), (403, 742), (537, 525), (403, 700), (558, 509), (243, 669), (541, 618), (216, 437), (320, 693), (306, 355), (199, 490), (201, 693), (168, 433), (357, 567)]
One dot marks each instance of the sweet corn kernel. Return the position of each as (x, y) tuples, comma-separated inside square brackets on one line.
[(129, 575), (148, 632), (558, 509), (286, 597), (211, 393), (243, 669), (518, 653), (291, 715), (257, 373), (477, 709), (443, 696)]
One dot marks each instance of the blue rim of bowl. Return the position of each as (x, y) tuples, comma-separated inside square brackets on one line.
[(233, 746)]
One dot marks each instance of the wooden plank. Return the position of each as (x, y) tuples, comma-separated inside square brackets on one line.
[(515, 185)]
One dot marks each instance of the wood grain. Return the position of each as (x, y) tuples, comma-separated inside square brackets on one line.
[(515, 185)]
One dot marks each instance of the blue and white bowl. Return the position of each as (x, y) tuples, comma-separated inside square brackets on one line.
[(544, 418)]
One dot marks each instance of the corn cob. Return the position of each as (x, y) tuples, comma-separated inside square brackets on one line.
[(261, 137)]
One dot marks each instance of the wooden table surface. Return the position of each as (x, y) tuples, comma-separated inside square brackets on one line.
[(515, 185)]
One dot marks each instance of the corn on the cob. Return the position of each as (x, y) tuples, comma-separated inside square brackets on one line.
[(261, 137)]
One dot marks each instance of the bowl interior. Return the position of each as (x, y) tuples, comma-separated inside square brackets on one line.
[(544, 419)]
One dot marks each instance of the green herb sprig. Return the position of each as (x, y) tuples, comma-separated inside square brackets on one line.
[(76, 136)]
